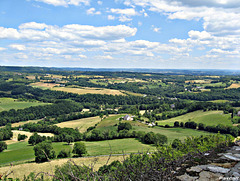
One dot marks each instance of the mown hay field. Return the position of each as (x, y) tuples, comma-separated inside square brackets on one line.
[(234, 86), (48, 167), (89, 90), (209, 118), (81, 124)]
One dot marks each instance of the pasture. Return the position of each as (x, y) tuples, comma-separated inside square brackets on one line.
[(81, 124), (209, 118), (110, 121), (20, 152), (9, 103), (171, 133), (118, 146)]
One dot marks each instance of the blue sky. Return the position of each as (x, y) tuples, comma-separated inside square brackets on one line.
[(187, 34)]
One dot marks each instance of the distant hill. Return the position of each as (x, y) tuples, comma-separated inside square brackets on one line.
[(141, 70)]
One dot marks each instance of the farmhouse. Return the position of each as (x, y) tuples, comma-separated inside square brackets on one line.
[(128, 118), (238, 113)]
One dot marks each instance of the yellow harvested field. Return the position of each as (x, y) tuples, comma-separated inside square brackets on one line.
[(54, 76), (199, 81), (31, 77), (24, 122), (28, 134), (234, 86), (142, 112), (81, 124), (83, 90), (18, 171), (88, 90), (45, 85)]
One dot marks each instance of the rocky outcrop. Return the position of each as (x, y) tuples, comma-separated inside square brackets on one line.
[(225, 166)]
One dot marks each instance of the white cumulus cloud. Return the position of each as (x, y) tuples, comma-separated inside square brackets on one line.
[(17, 47), (65, 3)]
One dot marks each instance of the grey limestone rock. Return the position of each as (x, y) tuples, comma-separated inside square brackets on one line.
[(186, 177), (217, 169)]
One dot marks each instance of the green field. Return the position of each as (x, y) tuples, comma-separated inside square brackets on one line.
[(110, 121), (21, 151), (172, 133), (209, 118), (119, 146), (9, 103)]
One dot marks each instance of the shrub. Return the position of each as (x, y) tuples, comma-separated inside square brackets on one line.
[(123, 126), (43, 151), (21, 137), (79, 149), (3, 146), (64, 154)]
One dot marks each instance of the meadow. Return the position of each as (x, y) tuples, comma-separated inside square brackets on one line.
[(20, 152), (209, 118), (81, 124), (9, 103)]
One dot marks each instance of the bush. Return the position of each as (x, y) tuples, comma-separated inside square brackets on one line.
[(176, 144), (149, 138), (160, 139), (70, 171), (176, 124), (3, 146), (64, 154), (43, 151), (79, 149), (123, 126), (21, 137)]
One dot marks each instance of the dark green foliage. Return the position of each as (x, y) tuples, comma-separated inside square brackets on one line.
[(64, 154), (69, 139), (126, 126), (149, 138), (79, 149), (21, 137), (191, 124), (5, 133), (112, 167), (43, 151), (35, 139), (176, 124), (201, 126), (182, 124), (176, 143), (160, 139), (71, 172), (3, 146)]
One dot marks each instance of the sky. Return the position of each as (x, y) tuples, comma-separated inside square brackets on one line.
[(160, 34)]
